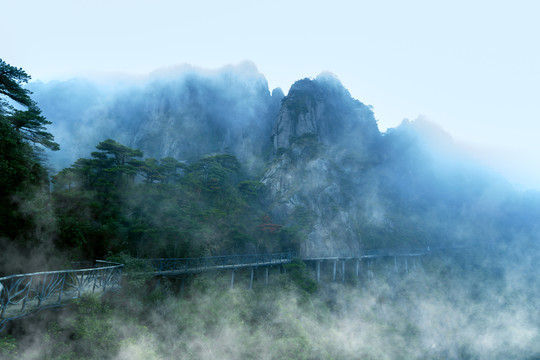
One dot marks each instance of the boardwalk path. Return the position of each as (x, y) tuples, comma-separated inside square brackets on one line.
[(24, 294)]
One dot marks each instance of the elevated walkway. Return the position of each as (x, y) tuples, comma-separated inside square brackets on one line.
[(25, 294)]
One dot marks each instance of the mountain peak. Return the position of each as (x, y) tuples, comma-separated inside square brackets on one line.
[(323, 108)]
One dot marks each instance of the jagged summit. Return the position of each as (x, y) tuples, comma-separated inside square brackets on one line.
[(323, 108), (182, 111), (324, 83), (318, 130)]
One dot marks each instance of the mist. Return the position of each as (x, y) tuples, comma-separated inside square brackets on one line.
[(183, 112), (255, 171), (471, 305)]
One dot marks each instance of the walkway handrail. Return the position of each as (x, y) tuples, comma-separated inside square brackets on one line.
[(388, 252), (186, 265), (23, 294), (162, 265)]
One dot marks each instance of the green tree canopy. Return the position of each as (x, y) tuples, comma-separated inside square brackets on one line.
[(18, 109), (121, 153), (23, 179)]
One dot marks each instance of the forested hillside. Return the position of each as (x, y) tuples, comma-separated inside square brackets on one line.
[(190, 163)]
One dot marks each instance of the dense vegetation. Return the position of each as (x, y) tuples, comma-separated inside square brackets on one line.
[(117, 204), (116, 201), (25, 209)]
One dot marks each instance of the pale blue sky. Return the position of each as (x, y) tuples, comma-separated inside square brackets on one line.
[(473, 67)]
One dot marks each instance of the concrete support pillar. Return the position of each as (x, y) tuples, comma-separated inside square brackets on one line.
[(318, 271), (266, 276), (232, 278), (343, 271), (251, 279), (334, 273)]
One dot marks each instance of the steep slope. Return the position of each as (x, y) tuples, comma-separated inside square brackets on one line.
[(323, 139), (344, 186), (181, 112)]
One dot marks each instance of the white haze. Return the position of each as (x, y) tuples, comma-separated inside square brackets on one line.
[(470, 67), (468, 306)]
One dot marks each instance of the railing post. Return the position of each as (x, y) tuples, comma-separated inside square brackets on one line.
[(334, 273), (318, 271), (232, 278), (343, 271), (406, 264), (95, 280), (251, 279), (357, 268), (107, 277), (266, 276), (395, 263)]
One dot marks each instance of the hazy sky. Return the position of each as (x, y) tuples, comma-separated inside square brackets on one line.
[(473, 67)]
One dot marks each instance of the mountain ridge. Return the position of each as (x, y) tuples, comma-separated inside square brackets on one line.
[(329, 173)]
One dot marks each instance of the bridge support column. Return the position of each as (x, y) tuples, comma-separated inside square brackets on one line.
[(266, 276), (232, 278), (334, 273), (95, 281), (318, 271), (251, 279), (343, 271)]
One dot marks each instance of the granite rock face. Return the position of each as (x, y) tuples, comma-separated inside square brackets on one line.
[(322, 139), (231, 111), (182, 112)]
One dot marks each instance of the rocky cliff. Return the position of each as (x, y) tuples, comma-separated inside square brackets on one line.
[(323, 139), (196, 114), (182, 112)]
